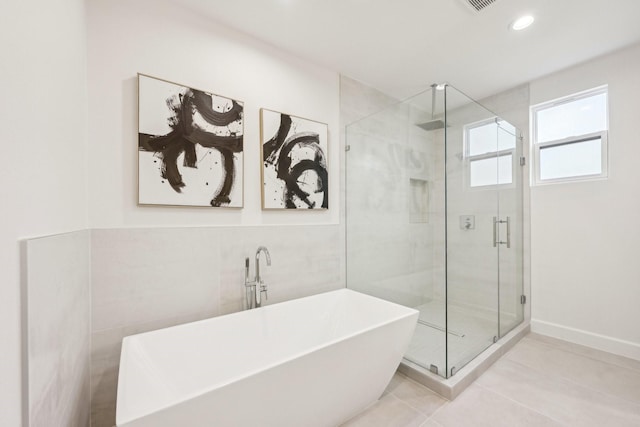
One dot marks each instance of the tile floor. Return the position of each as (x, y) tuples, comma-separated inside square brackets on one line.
[(540, 382)]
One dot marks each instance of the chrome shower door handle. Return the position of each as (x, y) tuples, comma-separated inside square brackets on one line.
[(496, 227)]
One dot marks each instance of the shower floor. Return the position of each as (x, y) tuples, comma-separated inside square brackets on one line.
[(469, 334)]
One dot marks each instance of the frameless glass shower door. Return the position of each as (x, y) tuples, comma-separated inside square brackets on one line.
[(472, 199), (434, 221), (484, 228), (510, 232)]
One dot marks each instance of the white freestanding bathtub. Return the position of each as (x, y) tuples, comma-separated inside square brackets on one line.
[(315, 361)]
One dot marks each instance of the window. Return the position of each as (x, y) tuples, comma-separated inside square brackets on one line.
[(490, 151), (570, 137)]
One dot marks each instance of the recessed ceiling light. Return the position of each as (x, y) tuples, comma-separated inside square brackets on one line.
[(522, 22)]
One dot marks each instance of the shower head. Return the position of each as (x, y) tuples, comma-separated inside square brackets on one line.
[(434, 123), (431, 125)]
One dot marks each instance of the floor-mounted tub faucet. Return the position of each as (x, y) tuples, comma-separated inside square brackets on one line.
[(254, 288)]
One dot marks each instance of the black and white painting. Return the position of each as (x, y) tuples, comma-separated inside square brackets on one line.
[(294, 162), (190, 146)]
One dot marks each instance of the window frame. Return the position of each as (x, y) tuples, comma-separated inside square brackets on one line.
[(489, 155), (603, 135)]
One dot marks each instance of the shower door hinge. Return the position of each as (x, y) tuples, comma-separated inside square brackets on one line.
[(347, 148), (523, 299), (523, 161)]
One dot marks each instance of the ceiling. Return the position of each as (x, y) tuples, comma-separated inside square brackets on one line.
[(402, 46)]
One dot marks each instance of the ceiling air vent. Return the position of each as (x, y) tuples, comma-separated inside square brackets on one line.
[(478, 5)]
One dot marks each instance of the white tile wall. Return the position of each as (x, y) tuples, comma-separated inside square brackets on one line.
[(143, 275), (58, 329)]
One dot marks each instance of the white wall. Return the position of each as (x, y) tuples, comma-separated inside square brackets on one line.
[(43, 136), (162, 40), (585, 236)]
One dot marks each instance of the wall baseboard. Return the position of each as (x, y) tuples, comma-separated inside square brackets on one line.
[(578, 336)]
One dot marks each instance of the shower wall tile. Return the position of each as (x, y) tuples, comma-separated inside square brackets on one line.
[(147, 279), (58, 329), (358, 100), (390, 255)]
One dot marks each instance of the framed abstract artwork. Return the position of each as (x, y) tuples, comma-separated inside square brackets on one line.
[(294, 162), (190, 146)]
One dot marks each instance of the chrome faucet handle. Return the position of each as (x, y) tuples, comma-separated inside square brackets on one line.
[(263, 288)]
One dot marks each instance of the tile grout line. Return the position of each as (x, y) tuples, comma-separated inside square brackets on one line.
[(409, 406), (431, 417), (586, 356), (432, 421), (418, 410), (574, 383), (521, 404), (575, 353)]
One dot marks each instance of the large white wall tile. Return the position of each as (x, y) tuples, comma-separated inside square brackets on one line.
[(304, 260), (58, 329), (390, 253), (142, 275)]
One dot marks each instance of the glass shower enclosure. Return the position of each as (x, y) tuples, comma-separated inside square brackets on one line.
[(434, 221)]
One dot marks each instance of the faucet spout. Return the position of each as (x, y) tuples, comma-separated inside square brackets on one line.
[(260, 250), (266, 253)]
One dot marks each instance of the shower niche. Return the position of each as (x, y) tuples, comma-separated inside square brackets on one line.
[(434, 222)]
